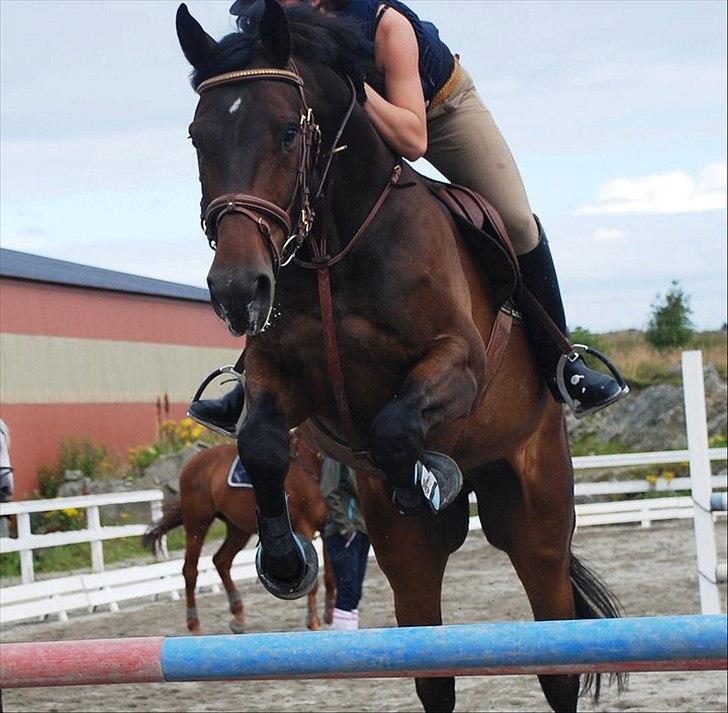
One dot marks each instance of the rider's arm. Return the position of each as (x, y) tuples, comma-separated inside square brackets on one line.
[(400, 118)]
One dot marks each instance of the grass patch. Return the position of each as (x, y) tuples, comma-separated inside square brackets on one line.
[(590, 445), (642, 365), (75, 557)]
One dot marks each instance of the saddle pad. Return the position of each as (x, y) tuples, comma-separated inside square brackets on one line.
[(238, 477)]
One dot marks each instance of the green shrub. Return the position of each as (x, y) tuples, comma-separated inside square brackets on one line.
[(94, 460), (670, 324), (581, 335), (173, 437)]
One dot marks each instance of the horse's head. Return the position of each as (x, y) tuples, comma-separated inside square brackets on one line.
[(246, 136), (256, 145), (6, 471)]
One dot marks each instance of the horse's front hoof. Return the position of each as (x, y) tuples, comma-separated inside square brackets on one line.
[(284, 589), (237, 627)]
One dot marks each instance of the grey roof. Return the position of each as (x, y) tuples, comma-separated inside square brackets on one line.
[(24, 266)]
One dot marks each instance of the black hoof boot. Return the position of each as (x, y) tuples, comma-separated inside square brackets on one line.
[(437, 482), (278, 541), (225, 415)]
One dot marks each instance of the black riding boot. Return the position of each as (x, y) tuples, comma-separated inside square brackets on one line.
[(223, 414), (589, 390)]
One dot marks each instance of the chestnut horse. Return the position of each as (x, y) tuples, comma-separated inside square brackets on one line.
[(206, 495), (413, 312)]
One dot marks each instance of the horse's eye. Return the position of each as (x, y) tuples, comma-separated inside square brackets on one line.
[(289, 135)]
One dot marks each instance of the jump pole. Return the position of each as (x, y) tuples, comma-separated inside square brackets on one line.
[(599, 645)]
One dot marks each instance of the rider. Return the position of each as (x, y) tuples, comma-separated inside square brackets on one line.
[(430, 108)]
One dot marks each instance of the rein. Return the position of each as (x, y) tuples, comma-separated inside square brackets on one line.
[(260, 211)]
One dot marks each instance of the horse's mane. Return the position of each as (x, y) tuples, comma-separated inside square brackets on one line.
[(334, 41)]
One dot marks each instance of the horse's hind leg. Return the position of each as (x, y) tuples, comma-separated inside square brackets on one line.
[(330, 587), (313, 621), (223, 561), (194, 539), (527, 511), (413, 552)]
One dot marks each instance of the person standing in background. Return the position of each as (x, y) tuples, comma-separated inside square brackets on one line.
[(346, 541), (6, 475)]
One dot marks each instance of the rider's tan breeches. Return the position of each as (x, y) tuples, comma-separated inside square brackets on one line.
[(466, 146)]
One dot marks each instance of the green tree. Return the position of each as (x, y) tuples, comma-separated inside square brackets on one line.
[(670, 324)]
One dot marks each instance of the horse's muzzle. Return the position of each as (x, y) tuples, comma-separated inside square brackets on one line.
[(244, 301)]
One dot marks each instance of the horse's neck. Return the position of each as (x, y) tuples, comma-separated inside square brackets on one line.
[(359, 175)]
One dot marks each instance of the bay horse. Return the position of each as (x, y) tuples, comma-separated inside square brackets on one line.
[(205, 495), (381, 334)]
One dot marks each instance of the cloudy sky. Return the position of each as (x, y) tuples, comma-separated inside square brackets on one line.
[(615, 111)]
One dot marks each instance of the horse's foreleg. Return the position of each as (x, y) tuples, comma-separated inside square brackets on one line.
[(413, 552), (443, 386), (286, 562)]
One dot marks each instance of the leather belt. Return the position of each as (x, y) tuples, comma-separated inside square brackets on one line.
[(447, 89)]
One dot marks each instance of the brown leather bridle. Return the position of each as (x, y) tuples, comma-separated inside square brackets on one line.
[(261, 211)]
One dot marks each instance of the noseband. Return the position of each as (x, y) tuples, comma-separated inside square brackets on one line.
[(259, 210)]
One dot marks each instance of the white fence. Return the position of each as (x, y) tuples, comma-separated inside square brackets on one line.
[(94, 533), (63, 594)]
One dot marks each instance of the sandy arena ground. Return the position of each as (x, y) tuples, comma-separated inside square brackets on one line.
[(652, 571)]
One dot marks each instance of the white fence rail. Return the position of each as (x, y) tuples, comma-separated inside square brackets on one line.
[(63, 594), (94, 533)]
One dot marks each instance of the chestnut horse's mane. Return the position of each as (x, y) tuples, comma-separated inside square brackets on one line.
[(330, 40)]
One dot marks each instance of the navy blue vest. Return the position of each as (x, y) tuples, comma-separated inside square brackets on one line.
[(436, 60)]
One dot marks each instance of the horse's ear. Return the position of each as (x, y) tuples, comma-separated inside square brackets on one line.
[(274, 33), (196, 44)]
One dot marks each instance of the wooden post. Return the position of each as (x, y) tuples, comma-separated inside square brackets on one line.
[(700, 476), (93, 522), (27, 574)]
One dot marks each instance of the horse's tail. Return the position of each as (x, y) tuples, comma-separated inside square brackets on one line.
[(171, 518), (594, 600)]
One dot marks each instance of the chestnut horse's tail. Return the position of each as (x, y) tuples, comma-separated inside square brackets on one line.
[(594, 600), (171, 518)]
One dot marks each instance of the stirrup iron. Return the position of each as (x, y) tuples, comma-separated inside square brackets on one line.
[(581, 350), (230, 370)]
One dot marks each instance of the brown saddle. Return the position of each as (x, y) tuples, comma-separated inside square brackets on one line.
[(485, 234)]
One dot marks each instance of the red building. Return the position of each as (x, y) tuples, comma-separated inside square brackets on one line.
[(91, 352)]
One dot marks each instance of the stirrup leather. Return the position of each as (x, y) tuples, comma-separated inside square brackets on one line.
[(232, 371), (577, 351)]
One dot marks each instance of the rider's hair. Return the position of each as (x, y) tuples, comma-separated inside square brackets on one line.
[(318, 37)]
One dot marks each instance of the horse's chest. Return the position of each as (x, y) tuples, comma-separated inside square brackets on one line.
[(373, 361)]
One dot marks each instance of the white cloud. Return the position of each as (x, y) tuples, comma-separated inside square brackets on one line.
[(662, 193), (605, 235)]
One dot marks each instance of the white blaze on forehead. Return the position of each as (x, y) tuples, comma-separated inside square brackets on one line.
[(235, 106)]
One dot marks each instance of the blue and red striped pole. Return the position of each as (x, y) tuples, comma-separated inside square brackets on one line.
[(598, 645)]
